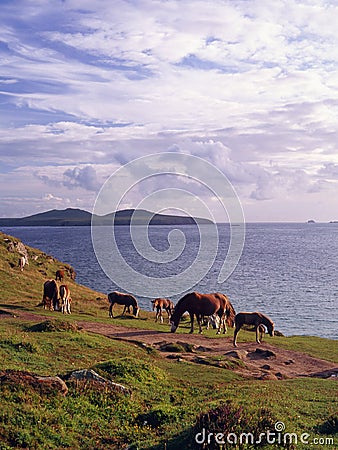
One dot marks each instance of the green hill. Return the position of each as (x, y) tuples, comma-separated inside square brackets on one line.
[(78, 217)]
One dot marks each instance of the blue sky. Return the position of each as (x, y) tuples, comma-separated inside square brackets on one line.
[(250, 86)]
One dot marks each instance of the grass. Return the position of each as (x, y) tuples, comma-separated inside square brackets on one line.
[(167, 395)]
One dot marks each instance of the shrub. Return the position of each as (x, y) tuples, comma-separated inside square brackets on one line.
[(54, 325), (162, 415), (229, 420), (130, 369), (329, 426)]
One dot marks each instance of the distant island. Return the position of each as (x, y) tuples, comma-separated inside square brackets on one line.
[(79, 217)]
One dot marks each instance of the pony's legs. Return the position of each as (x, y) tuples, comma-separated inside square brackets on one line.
[(159, 314), (111, 310), (257, 336), (169, 314), (224, 326), (235, 336), (199, 321), (191, 323), (221, 324)]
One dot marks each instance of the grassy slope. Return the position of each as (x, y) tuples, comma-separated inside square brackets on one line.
[(171, 391)]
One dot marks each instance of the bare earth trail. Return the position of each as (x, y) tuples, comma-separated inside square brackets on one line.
[(263, 361)]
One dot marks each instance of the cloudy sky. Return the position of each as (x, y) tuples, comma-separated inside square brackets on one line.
[(250, 86)]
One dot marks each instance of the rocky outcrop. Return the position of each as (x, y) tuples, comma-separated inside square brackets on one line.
[(48, 385), (91, 376)]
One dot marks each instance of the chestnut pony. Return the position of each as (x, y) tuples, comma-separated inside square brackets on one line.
[(200, 305), (162, 303)]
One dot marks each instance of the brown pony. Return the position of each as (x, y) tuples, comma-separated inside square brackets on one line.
[(127, 300), (162, 303), (253, 318), (200, 305), (65, 299), (50, 299), (59, 275)]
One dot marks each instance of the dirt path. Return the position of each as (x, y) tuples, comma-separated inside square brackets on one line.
[(264, 361)]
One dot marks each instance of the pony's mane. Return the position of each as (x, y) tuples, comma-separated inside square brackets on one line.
[(183, 298), (267, 321), (231, 313), (134, 301), (177, 307)]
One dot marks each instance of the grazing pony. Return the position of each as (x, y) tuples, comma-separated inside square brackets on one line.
[(22, 262), (162, 303), (59, 275), (65, 299), (200, 305), (127, 300), (253, 318), (50, 299), (212, 321)]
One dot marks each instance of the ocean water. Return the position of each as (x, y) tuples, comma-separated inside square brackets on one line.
[(288, 271)]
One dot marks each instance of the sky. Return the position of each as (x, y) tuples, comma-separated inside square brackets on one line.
[(250, 86)]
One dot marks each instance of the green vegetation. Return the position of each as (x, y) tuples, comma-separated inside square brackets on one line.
[(171, 399)]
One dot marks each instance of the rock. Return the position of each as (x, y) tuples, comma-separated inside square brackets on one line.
[(281, 376), (45, 385), (91, 375), (173, 347), (238, 354), (201, 360), (20, 247), (189, 348), (11, 247), (54, 382), (278, 333), (330, 373), (260, 353), (268, 376), (266, 367), (201, 348)]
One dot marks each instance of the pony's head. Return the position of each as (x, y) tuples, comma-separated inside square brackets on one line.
[(154, 304), (173, 326), (174, 321), (271, 328)]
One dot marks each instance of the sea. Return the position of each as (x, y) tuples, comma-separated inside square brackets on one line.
[(288, 271)]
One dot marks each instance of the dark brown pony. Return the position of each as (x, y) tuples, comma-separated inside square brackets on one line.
[(50, 299), (127, 300), (253, 318), (162, 303), (200, 305)]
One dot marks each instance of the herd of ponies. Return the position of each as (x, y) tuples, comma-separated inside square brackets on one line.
[(209, 309)]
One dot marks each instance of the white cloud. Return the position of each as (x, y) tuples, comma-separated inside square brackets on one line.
[(250, 86)]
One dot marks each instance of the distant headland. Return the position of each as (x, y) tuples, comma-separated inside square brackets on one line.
[(79, 217)]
